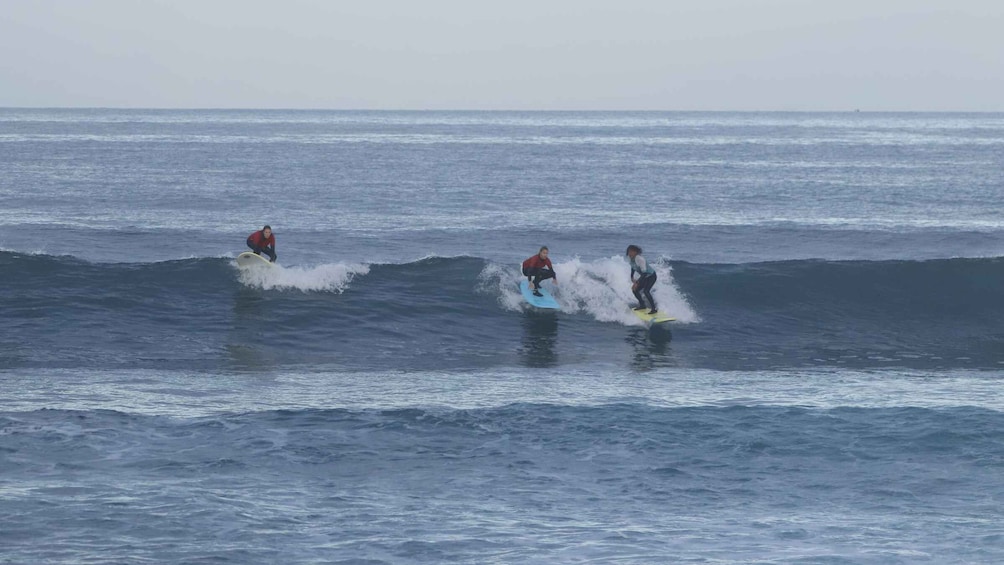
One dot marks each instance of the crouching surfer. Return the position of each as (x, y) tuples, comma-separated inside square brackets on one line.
[(642, 288), (539, 268), (263, 241)]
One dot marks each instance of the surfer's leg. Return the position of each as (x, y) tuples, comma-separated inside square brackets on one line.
[(528, 273), (646, 287), (533, 276), (543, 275), (637, 294)]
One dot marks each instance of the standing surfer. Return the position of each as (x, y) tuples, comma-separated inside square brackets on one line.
[(642, 288), (539, 268), (263, 242)]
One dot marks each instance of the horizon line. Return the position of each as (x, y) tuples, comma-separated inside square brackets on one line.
[(499, 110)]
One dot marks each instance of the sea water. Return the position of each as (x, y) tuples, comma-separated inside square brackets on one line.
[(830, 393)]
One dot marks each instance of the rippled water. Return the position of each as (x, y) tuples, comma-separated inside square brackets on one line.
[(830, 392)]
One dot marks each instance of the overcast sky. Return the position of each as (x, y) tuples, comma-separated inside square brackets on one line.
[(513, 54)]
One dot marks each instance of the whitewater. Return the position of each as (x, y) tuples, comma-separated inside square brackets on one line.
[(830, 393)]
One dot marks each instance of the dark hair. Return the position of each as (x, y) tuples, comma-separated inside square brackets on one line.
[(267, 227), (635, 248), (543, 248)]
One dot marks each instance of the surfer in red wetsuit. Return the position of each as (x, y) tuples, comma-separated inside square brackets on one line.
[(539, 268), (263, 242)]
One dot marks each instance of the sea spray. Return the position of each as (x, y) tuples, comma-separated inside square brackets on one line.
[(330, 277)]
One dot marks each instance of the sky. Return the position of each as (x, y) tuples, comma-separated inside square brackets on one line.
[(801, 55)]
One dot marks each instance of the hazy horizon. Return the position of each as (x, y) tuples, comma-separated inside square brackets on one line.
[(640, 55), (489, 110)]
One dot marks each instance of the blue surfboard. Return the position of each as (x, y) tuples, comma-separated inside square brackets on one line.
[(546, 301)]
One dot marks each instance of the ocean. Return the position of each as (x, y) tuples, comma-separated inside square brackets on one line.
[(830, 392)]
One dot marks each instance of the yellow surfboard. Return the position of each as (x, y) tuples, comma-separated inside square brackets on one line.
[(248, 259), (657, 318)]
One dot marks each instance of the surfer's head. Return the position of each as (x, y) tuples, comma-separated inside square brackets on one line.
[(267, 231), (543, 252), (632, 250)]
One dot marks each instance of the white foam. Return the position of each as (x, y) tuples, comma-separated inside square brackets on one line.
[(599, 288), (330, 277), (35, 253), (502, 280)]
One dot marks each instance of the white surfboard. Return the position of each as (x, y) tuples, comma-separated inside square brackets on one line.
[(248, 259)]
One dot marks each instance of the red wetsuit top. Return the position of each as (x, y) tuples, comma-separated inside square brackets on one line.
[(536, 262), (258, 238)]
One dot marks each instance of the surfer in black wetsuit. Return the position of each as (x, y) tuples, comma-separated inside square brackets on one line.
[(263, 242), (642, 288)]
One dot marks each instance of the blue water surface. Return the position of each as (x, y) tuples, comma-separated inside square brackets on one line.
[(830, 392)]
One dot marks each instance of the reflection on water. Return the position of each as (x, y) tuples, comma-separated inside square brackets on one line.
[(651, 347), (248, 331), (540, 336)]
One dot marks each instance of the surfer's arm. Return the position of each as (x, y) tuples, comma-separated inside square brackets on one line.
[(642, 265)]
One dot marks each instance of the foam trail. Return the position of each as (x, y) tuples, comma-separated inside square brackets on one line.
[(331, 277), (32, 253)]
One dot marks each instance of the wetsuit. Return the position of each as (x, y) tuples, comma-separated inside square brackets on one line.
[(260, 244), (645, 281), (537, 270)]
